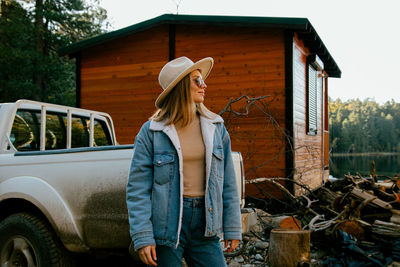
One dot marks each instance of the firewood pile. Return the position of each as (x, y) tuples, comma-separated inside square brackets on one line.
[(353, 221), (361, 206)]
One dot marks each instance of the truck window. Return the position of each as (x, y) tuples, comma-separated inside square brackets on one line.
[(101, 134), (25, 132), (56, 132), (80, 132), (55, 137)]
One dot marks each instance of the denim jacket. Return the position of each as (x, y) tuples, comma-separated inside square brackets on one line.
[(155, 185)]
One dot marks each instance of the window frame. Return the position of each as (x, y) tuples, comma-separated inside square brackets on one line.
[(60, 115), (313, 63)]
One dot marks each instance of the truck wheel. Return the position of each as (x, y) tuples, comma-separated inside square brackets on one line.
[(26, 240)]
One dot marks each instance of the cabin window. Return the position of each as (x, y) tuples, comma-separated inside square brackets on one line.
[(312, 100), (314, 65)]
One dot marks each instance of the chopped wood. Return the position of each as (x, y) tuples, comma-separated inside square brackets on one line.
[(362, 194), (395, 219), (289, 248), (359, 206), (356, 214), (386, 228), (386, 185), (285, 222), (381, 216), (394, 211), (327, 196)]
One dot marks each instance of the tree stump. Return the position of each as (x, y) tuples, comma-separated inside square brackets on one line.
[(289, 248)]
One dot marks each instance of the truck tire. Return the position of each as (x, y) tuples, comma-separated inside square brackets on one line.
[(27, 240)]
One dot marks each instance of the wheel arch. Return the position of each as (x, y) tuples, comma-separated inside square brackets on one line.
[(31, 194)]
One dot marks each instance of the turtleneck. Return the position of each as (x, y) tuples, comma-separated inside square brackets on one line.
[(193, 152)]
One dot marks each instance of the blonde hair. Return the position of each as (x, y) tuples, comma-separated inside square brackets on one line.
[(178, 106)]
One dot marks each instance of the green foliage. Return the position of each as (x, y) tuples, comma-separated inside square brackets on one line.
[(31, 32), (364, 126)]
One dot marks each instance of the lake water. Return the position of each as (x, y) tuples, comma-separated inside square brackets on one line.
[(388, 165)]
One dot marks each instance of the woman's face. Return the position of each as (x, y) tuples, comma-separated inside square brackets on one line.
[(197, 87)]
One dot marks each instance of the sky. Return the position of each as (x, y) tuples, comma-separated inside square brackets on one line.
[(363, 36)]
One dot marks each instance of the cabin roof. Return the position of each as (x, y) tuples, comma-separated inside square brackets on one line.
[(301, 26)]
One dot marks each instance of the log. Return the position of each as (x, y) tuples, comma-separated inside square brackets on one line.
[(326, 196), (386, 228), (385, 185), (289, 248), (395, 218), (285, 222), (394, 211), (383, 195), (375, 202)]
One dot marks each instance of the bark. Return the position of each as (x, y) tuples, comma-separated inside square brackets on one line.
[(327, 197), (289, 248), (386, 228), (375, 202), (395, 219)]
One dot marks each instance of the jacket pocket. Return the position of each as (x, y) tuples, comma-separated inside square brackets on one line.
[(163, 167), (218, 152)]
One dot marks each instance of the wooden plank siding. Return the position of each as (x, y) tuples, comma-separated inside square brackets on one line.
[(120, 77), (248, 61), (308, 148)]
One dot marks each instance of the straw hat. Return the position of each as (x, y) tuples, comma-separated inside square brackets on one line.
[(176, 69)]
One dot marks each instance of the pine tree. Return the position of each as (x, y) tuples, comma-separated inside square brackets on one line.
[(31, 32)]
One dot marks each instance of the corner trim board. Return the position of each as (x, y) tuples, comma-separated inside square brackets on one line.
[(289, 155)]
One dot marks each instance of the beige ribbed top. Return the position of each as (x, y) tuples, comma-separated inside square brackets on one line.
[(193, 152)]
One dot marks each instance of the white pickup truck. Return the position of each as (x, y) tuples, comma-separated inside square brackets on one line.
[(62, 184)]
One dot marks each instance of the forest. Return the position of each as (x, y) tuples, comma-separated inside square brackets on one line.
[(31, 32), (357, 126)]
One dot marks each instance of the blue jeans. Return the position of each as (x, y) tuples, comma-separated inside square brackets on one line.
[(193, 246)]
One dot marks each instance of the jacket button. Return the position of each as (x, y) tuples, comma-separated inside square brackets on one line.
[(210, 209)]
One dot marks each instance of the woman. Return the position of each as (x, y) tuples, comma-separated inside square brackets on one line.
[(182, 192)]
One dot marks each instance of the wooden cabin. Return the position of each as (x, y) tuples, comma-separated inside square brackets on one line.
[(280, 64)]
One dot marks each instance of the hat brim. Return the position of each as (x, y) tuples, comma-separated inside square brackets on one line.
[(204, 66)]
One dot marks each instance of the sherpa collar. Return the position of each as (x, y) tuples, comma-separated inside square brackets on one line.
[(161, 125)]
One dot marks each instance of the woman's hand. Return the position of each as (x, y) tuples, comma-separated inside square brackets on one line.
[(233, 245), (148, 255)]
